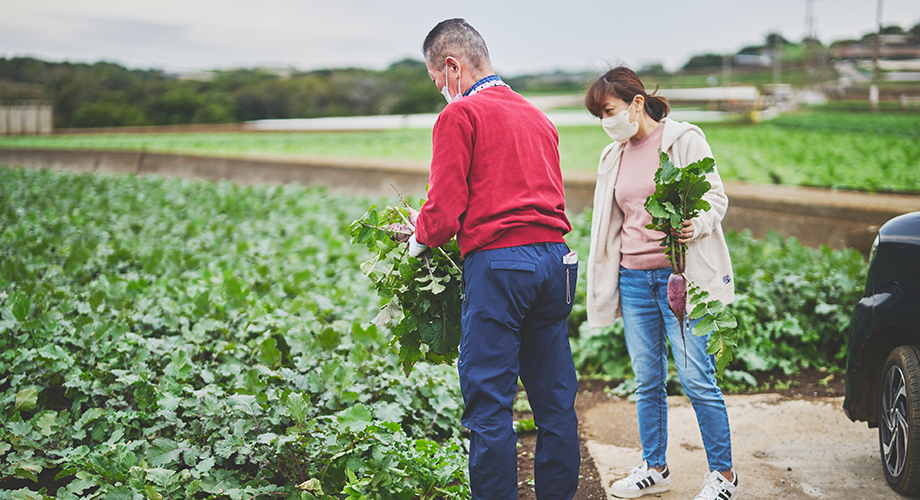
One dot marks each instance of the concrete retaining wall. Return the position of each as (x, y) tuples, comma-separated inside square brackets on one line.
[(814, 216)]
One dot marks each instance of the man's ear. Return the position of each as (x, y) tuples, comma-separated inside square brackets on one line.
[(452, 63)]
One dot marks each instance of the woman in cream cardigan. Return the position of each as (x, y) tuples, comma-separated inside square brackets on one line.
[(628, 275)]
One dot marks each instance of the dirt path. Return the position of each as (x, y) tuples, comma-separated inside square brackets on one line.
[(791, 448)]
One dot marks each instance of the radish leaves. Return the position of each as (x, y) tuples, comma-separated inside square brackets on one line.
[(421, 295), (678, 197)]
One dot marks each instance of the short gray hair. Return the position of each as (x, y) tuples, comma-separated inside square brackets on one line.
[(455, 37)]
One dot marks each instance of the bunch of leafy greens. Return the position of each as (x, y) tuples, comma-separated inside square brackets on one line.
[(422, 294), (678, 197)]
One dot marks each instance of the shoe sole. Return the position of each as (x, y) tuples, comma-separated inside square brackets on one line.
[(651, 490), (736, 496)]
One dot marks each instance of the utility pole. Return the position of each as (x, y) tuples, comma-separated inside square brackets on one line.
[(809, 40), (873, 89), (777, 58)]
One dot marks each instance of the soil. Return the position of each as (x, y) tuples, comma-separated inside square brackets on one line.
[(807, 385)]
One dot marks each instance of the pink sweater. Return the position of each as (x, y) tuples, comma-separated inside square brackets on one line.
[(636, 182)]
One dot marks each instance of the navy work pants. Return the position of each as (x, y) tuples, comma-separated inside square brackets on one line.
[(516, 302)]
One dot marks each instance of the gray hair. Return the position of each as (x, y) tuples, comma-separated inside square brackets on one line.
[(455, 37)]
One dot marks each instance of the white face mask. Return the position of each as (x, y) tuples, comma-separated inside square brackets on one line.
[(618, 126), (445, 92)]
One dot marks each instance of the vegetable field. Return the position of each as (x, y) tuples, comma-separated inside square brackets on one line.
[(168, 338), (176, 339), (877, 152)]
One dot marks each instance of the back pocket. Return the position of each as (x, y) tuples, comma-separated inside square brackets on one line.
[(513, 265)]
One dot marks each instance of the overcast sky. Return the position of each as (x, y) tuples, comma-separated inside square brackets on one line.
[(523, 36)]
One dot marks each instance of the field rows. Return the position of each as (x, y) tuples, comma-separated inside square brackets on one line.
[(861, 151)]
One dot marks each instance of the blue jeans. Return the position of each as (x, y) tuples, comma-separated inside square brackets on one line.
[(516, 303), (649, 324)]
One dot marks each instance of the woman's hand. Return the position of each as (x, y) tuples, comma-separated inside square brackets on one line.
[(686, 232)]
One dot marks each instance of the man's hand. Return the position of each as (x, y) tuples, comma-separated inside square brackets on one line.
[(415, 248), (413, 216)]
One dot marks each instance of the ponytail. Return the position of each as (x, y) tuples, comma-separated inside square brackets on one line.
[(656, 106)]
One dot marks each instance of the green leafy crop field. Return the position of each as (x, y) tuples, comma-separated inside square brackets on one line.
[(190, 339), (878, 152)]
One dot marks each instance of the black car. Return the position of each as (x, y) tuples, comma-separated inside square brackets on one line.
[(883, 361)]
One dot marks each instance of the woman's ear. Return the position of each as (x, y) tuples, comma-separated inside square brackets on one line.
[(640, 101)]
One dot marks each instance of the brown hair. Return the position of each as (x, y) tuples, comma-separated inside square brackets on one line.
[(623, 83)]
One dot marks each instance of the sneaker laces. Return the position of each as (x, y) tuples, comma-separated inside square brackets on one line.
[(712, 485), (637, 473)]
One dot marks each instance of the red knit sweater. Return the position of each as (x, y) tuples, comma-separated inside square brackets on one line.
[(495, 179)]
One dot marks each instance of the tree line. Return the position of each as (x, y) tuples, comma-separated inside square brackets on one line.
[(105, 94)]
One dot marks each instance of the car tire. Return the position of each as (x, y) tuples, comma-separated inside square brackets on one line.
[(899, 421)]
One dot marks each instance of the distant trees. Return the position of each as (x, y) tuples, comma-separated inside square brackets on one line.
[(703, 61), (107, 94)]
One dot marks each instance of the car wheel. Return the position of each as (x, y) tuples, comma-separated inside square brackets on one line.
[(899, 425)]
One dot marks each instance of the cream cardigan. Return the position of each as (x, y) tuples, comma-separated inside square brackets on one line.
[(708, 262)]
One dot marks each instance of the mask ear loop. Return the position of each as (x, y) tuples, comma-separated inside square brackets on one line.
[(630, 106), (459, 74)]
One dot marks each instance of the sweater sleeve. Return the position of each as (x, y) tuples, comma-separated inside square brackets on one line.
[(448, 191)]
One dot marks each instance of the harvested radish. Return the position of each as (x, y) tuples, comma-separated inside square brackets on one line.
[(677, 301), (677, 297), (678, 197)]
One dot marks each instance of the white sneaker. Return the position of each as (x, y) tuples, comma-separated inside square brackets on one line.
[(642, 481), (716, 487)]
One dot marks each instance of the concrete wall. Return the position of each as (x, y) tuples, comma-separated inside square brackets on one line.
[(26, 118), (814, 216)]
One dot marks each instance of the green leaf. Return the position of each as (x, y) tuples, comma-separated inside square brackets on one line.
[(706, 325), (204, 466), (726, 321), (390, 312), (28, 470), (163, 451), (179, 367), (21, 306), (434, 285), (120, 492), (329, 338), (655, 208), (297, 406), (269, 354), (159, 476), (150, 493), (355, 418), (26, 399), (699, 310), (88, 416), (46, 422), (19, 428), (313, 485), (526, 425)]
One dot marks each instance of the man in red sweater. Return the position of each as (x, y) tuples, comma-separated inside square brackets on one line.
[(496, 184)]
